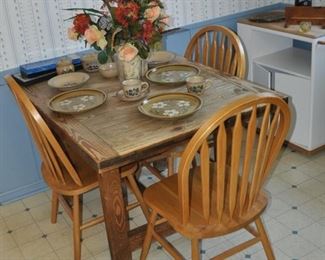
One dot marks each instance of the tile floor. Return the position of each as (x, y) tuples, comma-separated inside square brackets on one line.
[(295, 221)]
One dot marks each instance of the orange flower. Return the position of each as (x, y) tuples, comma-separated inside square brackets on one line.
[(81, 23)]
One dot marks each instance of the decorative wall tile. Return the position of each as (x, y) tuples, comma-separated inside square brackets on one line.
[(32, 30)]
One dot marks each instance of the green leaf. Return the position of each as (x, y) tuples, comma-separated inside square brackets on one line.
[(102, 57)]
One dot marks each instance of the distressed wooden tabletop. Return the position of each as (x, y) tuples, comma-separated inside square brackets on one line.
[(117, 131)]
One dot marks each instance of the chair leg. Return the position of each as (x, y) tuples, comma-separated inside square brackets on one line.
[(170, 165), (148, 237), (76, 228), (264, 239), (195, 249), (55, 207), (135, 189)]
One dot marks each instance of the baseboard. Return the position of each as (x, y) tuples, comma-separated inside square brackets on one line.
[(22, 192)]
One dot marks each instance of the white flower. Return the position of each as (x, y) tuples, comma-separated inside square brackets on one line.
[(183, 103), (65, 102), (159, 105), (87, 98), (170, 112), (78, 107)]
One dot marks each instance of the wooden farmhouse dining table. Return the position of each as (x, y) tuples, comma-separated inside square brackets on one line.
[(116, 133)]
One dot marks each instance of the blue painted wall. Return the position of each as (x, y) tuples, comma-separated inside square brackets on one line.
[(19, 161)]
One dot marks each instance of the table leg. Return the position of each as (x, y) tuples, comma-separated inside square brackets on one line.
[(116, 217)]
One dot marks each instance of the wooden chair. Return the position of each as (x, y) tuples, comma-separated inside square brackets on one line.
[(61, 176), (217, 198), (215, 46), (220, 48)]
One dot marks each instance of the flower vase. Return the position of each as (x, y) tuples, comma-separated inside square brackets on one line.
[(130, 69)]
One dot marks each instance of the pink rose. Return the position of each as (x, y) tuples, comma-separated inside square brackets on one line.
[(72, 34), (153, 12), (127, 52), (92, 35)]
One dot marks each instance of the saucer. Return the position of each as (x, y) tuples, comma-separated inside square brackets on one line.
[(120, 95)]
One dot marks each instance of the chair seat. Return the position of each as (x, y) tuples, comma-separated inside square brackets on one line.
[(163, 197), (89, 180), (70, 188)]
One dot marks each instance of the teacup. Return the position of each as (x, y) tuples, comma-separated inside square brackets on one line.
[(134, 88), (197, 84)]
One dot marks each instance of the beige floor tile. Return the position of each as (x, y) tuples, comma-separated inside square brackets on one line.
[(314, 233), (218, 249), (293, 197), (47, 227), (96, 244), (66, 253), (92, 195), (315, 255), (276, 185), (41, 212), (3, 226), (276, 207), (12, 254), (313, 187), (7, 242), (12, 208), (294, 219), (314, 209), (95, 206), (26, 234), (276, 230), (322, 198), (311, 168), (321, 176), (294, 177), (279, 255), (295, 246), (50, 256), (36, 248), (19, 220), (294, 159), (60, 239), (36, 200), (105, 255)]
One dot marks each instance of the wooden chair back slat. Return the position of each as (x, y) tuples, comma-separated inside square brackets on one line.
[(220, 48), (221, 151), (257, 174), (206, 47), (50, 150), (234, 186), (221, 53), (247, 161), (213, 52), (205, 179), (235, 160), (228, 58)]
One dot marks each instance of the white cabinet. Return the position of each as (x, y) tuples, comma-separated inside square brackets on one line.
[(276, 61)]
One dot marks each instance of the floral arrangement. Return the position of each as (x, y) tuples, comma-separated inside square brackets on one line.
[(128, 27)]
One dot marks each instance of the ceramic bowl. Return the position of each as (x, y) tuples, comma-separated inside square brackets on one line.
[(108, 70), (68, 81)]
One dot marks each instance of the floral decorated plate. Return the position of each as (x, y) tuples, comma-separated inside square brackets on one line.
[(170, 105), (68, 81), (173, 74), (77, 101), (160, 57)]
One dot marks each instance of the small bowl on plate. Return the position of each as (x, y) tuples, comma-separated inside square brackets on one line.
[(68, 81), (108, 70), (160, 57)]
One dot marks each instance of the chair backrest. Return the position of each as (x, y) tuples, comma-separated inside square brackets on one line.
[(244, 156), (220, 48), (53, 157)]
